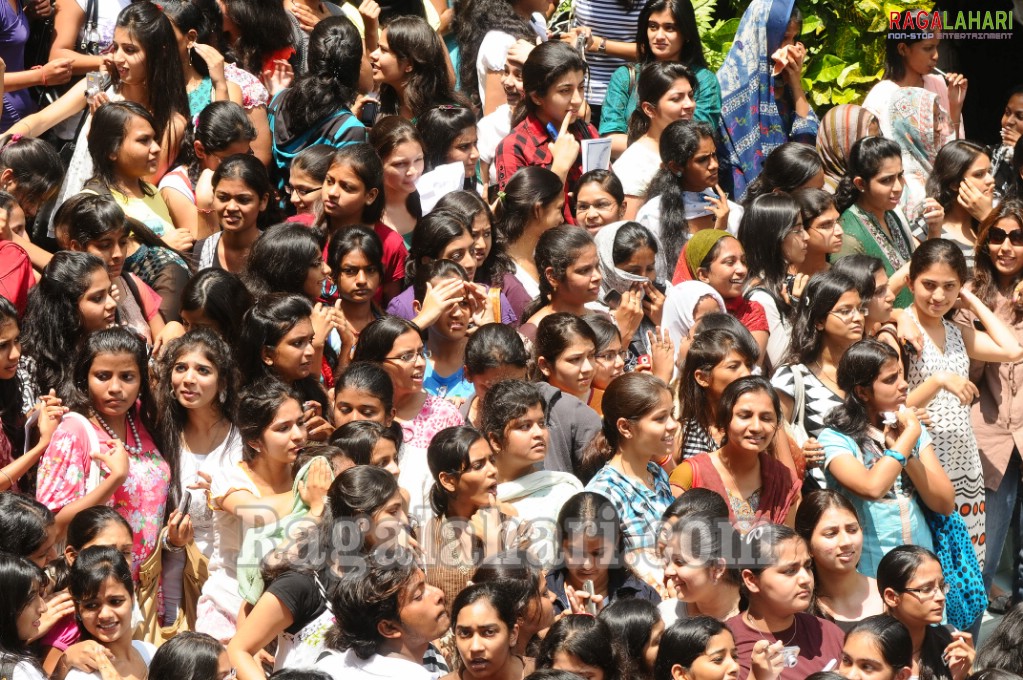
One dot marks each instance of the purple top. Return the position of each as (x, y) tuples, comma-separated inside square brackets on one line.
[(401, 305), (13, 36)]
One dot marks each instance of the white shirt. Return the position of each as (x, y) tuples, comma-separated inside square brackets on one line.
[(348, 666)]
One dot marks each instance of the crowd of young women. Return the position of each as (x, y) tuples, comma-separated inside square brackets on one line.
[(323, 354)]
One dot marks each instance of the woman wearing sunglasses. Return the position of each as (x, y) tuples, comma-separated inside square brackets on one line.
[(998, 273)]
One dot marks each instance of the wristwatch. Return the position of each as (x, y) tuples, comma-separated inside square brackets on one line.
[(602, 48)]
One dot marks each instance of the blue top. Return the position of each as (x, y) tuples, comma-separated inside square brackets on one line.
[(13, 36), (446, 387), (622, 99), (639, 508), (894, 520)]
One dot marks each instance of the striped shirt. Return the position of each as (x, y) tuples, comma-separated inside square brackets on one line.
[(606, 19)]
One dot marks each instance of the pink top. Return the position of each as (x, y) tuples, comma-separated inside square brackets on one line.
[(141, 500)]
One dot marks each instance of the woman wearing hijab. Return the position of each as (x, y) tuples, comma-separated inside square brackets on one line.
[(763, 102), (840, 128)]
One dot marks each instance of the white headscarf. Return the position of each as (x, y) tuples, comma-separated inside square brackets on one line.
[(614, 278), (679, 304)]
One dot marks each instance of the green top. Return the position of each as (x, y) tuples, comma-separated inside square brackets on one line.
[(621, 100), (865, 237)]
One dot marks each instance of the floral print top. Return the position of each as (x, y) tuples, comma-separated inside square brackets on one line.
[(141, 500)]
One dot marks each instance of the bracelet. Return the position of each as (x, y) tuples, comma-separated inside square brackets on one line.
[(170, 547), (662, 461), (892, 453), (602, 48), (205, 211), (4, 473)]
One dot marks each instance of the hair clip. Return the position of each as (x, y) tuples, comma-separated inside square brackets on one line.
[(15, 138), (501, 195)]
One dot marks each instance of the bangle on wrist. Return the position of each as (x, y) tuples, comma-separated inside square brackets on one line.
[(892, 453), (602, 47)]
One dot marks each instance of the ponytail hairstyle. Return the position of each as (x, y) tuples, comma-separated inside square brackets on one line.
[(763, 543), (411, 39), (82, 530), (787, 168), (936, 251), (895, 570), (683, 642), (951, 164), (431, 236), (107, 136), (529, 189), (890, 637), (542, 68), (331, 82), (865, 159), (262, 29), (369, 377), (608, 182), (750, 384), (861, 269), (494, 345), (264, 325), (356, 239), (859, 367), (363, 161), (587, 638), (812, 203), (359, 438), (185, 17), (36, 170), (251, 171), (448, 454), (315, 161), (679, 143), (655, 80), (388, 133), (556, 251), (766, 223), (220, 298), (257, 406), (822, 293), (630, 396), (439, 127), (554, 334), (92, 567)]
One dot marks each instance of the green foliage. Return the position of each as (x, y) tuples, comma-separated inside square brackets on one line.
[(844, 41)]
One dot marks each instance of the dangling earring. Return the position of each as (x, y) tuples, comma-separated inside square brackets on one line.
[(223, 396)]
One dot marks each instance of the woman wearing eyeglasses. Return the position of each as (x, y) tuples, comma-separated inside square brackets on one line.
[(909, 579), (882, 467), (828, 319), (397, 345), (997, 274)]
